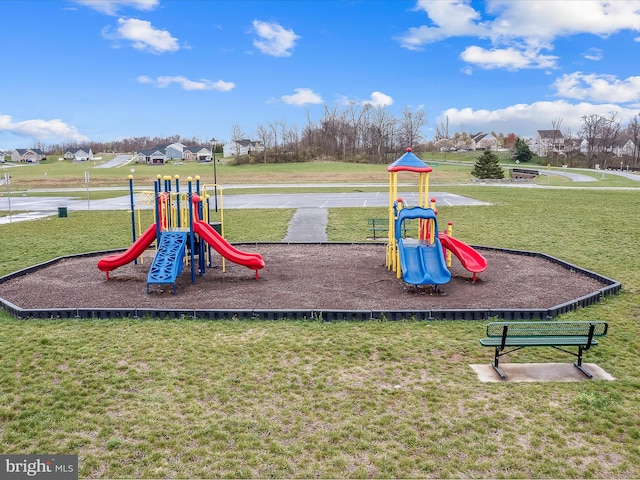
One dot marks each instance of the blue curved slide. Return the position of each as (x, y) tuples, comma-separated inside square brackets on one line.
[(421, 263)]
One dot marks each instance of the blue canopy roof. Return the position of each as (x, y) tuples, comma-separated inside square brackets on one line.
[(409, 163)]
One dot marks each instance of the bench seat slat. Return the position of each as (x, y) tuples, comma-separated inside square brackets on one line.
[(554, 329), (536, 341)]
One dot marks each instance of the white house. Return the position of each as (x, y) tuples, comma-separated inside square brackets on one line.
[(29, 155), (78, 154), (200, 154), (173, 151), (483, 141), (153, 156), (621, 147), (241, 147), (545, 141)]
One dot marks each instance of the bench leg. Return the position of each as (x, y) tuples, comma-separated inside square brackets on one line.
[(582, 369), (579, 366), (496, 366)]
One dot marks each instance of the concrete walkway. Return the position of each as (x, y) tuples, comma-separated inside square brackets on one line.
[(308, 225)]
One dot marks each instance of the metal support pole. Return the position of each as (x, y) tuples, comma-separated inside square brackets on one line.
[(133, 214), (215, 176)]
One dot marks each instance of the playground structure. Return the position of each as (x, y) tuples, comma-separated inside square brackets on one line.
[(183, 234), (424, 260)]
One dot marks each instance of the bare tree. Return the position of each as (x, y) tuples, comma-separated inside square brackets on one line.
[(264, 136), (609, 135), (633, 133), (273, 132), (442, 130), (381, 128), (571, 147), (237, 135), (556, 135), (410, 127), (600, 133)]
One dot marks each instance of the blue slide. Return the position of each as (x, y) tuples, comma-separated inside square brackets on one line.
[(169, 260), (421, 263)]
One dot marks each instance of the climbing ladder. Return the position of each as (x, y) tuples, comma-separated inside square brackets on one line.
[(169, 260)]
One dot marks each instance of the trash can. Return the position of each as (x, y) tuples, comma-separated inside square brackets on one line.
[(217, 226), (62, 212)]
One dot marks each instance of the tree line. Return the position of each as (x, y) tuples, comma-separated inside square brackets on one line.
[(125, 145), (358, 133), (368, 133)]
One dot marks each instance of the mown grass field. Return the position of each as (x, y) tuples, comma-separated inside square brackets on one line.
[(39, 179), (154, 398)]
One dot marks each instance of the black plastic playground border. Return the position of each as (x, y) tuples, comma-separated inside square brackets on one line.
[(610, 287)]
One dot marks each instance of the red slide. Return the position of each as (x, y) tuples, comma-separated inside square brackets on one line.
[(116, 260), (468, 256), (254, 261)]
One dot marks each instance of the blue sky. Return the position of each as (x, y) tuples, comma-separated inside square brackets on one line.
[(78, 70)]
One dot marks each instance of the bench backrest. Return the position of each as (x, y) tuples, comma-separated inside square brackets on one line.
[(547, 329)]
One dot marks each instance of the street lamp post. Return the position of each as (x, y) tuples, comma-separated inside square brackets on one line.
[(215, 177)]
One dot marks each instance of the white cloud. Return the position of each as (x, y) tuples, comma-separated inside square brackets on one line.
[(186, 84), (525, 119), (598, 88), (55, 129), (145, 79), (508, 58), (111, 7), (273, 39), (552, 19), (379, 99), (143, 36), (521, 30), (593, 54), (303, 96), (450, 18)]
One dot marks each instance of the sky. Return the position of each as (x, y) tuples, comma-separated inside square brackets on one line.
[(101, 70)]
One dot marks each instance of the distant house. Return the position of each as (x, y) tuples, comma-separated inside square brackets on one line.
[(547, 141), (78, 154), (241, 147), (153, 156), (28, 155), (483, 141), (199, 153), (626, 148), (572, 144), (620, 147), (175, 151)]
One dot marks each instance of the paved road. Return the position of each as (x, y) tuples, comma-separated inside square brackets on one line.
[(75, 200), (621, 173), (116, 161), (575, 177), (45, 206)]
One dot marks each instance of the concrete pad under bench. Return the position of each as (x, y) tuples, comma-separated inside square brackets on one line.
[(539, 372)]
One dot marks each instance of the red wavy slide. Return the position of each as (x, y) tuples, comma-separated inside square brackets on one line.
[(116, 260), (468, 256), (254, 261)]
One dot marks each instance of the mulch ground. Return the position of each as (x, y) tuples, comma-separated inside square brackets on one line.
[(303, 276)]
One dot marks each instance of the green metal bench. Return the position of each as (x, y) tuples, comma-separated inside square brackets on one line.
[(377, 226), (381, 226), (516, 335)]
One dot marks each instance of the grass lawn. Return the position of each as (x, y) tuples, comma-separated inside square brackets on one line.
[(154, 398), (452, 168)]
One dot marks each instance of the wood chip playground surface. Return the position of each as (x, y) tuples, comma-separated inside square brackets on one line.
[(305, 276)]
